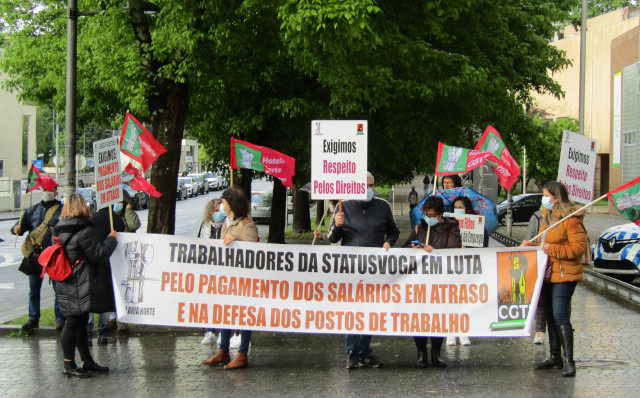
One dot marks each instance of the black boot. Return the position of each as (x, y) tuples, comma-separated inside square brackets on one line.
[(422, 359), (566, 339), (436, 345), (555, 357), (72, 370), (91, 366)]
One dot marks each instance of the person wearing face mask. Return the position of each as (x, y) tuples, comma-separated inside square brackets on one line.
[(49, 208), (565, 244), (211, 228), (443, 233), (367, 223)]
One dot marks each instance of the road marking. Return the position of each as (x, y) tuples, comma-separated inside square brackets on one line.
[(9, 286)]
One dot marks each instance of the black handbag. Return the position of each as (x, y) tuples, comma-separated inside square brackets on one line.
[(30, 265)]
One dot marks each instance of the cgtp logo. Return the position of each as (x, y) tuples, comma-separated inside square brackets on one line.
[(138, 255), (453, 154)]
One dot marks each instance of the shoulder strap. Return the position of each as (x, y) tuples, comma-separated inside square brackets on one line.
[(50, 212)]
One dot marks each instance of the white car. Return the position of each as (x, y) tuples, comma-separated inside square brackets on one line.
[(188, 183), (617, 252)]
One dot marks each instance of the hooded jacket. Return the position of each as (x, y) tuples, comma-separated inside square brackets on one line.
[(567, 244), (78, 237)]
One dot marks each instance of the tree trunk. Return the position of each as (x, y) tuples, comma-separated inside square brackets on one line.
[(301, 218), (278, 212), (319, 211)]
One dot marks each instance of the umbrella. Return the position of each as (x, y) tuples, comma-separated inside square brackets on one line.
[(481, 204)]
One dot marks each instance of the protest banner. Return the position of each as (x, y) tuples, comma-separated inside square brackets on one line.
[(578, 166), (471, 228), (339, 159), (108, 176), (193, 282)]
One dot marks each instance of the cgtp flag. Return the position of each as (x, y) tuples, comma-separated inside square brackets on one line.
[(245, 155), (132, 177), (33, 179), (626, 199), (456, 160), (506, 167), (138, 143)]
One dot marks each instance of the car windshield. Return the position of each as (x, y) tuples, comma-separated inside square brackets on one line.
[(515, 199), (209, 175), (261, 197), (86, 192), (185, 180)]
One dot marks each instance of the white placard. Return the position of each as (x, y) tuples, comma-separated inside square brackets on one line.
[(616, 151), (197, 282), (108, 175), (339, 159), (578, 166), (471, 228)]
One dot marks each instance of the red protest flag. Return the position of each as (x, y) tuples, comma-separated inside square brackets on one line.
[(506, 167), (132, 177), (245, 155), (138, 143), (33, 179), (626, 200), (456, 160)]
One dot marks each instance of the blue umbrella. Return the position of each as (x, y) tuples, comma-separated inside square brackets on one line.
[(481, 204)]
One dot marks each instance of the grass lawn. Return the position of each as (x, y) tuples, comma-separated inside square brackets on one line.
[(47, 318)]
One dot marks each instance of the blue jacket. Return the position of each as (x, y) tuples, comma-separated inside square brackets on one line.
[(367, 224)]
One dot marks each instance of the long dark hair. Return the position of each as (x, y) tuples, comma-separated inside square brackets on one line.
[(237, 201), (468, 207)]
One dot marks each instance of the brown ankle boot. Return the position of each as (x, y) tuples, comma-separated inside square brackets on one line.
[(221, 357), (239, 362)]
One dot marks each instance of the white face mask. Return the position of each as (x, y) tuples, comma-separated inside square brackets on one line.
[(369, 195), (48, 196), (459, 211)]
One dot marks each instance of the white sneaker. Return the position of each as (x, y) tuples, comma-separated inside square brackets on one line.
[(451, 341), (464, 340), (234, 342), (209, 337), (539, 339)]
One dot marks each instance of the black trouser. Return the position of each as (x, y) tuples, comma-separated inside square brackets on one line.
[(74, 334), (436, 343)]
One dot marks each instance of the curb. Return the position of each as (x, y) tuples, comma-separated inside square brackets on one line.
[(137, 330)]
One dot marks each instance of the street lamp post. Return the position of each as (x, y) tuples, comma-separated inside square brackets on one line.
[(70, 105)]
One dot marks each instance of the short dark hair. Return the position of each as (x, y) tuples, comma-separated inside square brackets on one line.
[(237, 201), (457, 181), (434, 202)]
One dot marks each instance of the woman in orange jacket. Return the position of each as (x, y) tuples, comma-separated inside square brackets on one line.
[(565, 244)]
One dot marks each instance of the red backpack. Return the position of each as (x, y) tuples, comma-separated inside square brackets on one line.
[(55, 262)]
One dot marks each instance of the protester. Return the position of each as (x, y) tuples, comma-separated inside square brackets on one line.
[(367, 223), (413, 198), (47, 210), (426, 182), (565, 244), (443, 233), (131, 224), (541, 319), (211, 228), (452, 181), (78, 293), (238, 226), (104, 301)]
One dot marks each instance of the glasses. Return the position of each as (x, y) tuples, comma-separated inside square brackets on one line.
[(371, 185), (431, 215)]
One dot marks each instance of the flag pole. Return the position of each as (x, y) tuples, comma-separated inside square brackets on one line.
[(111, 218), (570, 215), (435, 183), (231, 175), (24, 201)]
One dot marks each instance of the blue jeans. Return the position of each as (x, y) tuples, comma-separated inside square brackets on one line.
[(556, 299), (358, 344), (245, 339), (35, 284), (103, 324)]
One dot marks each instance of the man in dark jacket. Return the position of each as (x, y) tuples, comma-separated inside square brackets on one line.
[(367, 223), (32, 218)]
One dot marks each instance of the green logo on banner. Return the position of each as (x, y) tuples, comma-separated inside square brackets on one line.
[(248, 158)]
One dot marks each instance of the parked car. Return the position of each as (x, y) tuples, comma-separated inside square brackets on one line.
[(201, 179), (213, 180), (523, 207), (261, 205), (181, 191), (617, 252), (90, 196), (188, 183), (140, 199)]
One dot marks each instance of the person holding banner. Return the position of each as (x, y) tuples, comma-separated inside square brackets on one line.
[(442, 233), (238, 226), (565, 244), (77, 234), (367, 223)]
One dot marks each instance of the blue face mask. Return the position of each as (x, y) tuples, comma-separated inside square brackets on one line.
[(431, 221), (369, 195), (546, 202), (117, 207), (459, 211), (219, 216)]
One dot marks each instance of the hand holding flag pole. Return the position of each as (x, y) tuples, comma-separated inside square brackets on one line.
[(326, 211)]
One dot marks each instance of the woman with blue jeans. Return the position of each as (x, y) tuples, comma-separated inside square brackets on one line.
[(565, 244)]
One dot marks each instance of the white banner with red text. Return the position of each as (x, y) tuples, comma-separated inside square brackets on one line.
[(193, 282)]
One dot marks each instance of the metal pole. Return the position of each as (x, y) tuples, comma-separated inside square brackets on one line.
[(524, 171), (57, 146), (583, 55), (70, 106)]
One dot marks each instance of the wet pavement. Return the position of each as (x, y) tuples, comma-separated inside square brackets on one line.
[(156, 362)]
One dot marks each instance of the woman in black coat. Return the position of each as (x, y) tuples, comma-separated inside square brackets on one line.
[(76, 234)]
